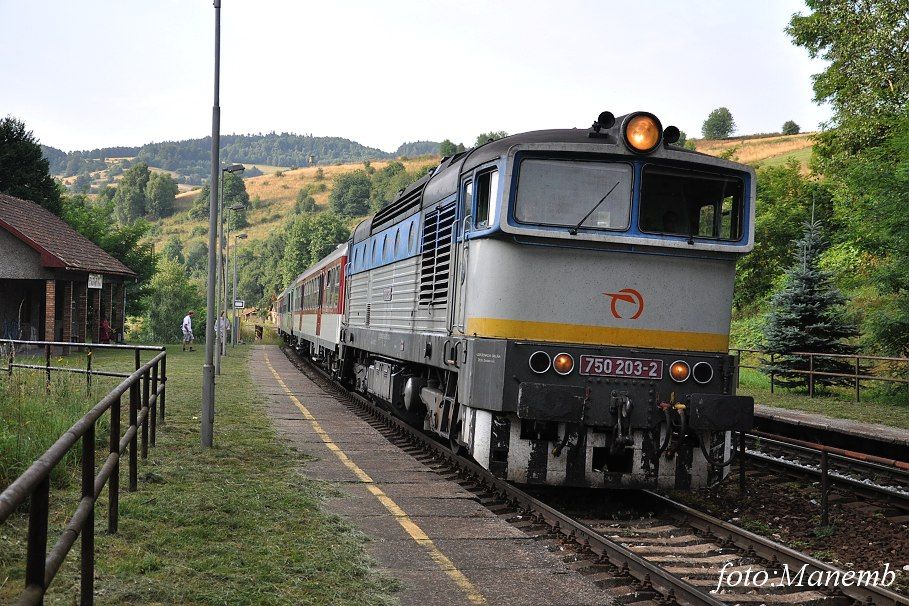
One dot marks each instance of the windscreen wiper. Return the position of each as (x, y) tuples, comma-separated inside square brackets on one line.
[(574, 230)]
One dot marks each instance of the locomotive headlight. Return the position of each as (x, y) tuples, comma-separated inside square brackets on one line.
[(679, 371), (702, 372), (642, 132), (563, 363), (539, 362)]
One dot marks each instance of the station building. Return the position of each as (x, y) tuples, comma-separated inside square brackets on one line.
[(55, 284)]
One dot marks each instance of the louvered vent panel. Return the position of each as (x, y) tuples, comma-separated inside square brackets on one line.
[(436, 261)]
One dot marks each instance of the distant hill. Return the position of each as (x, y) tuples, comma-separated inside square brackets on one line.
[(190, 158)]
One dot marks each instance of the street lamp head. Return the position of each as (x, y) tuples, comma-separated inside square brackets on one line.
[(236, 207), (241, 236), (234, 168)]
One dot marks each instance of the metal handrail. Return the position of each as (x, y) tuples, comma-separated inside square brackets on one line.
[(147, 400), (855, 377)]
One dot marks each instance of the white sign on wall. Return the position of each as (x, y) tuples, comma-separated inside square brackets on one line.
[(95, 281), (239, 304)]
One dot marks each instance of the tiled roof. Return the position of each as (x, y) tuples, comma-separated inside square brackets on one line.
[(59, 244)]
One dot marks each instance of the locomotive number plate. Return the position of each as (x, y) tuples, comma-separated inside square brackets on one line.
[(605, 366)]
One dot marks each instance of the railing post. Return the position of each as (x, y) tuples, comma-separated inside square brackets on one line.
[(47, 367), (12, 360), (858, 395), (163, 384), (772, 372), (113, 485), (37, 535), (88, 370), (138, 358), (810, 375), (87, 584), (133, 443), (825, 489), (153, 400), (145, 385), (742, 462)]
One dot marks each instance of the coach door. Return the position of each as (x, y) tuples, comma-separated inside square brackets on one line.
[(322, 289)]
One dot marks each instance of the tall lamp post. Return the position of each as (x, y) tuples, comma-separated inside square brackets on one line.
[(222, 269), (236, 320), (208, 368), (233, 208)]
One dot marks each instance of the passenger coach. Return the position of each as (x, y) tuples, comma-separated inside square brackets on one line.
[(556, 304)]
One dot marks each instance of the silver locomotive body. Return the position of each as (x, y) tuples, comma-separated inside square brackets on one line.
[(557, 305)]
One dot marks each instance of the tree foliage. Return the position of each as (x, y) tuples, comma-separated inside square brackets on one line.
[(129, 199), (791, 128), (24, 172), (308, 239), (784, 203), (866, 80), (160, 192), (350, 194), (719, 124), (234, 193), (492, 135), (197, 258), (173, 250), (125, 242), (808, 315), (171, 295)]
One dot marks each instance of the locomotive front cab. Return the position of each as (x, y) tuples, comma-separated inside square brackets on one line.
[(596, 275)]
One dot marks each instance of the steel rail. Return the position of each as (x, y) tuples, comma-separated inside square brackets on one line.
[(773, 551)]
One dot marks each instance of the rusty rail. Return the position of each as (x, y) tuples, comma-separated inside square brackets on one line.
[(856, 377), (146, 387)]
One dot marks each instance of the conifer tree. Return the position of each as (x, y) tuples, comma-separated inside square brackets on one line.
[(808, 315)]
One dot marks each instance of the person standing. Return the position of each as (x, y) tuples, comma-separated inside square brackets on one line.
[(105, 330), (187, 328), (223, 332)]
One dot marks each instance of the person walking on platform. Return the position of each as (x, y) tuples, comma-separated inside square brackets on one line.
[(187, 328)]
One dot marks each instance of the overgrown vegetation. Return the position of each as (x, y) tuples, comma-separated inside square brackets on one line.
[(235, 524)]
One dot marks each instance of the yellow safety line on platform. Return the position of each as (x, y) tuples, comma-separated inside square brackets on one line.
[(415, 532)]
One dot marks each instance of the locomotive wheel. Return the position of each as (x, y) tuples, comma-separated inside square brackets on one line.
[(453, 443)]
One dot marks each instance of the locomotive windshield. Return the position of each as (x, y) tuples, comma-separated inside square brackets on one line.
[(563, 193), (691, 203)]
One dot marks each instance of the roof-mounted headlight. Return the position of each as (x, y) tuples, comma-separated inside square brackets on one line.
[(642, 132)]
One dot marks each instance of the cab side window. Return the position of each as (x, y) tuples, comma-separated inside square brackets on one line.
[(467, 204), (487, 196)]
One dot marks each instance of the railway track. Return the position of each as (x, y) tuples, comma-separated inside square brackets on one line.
[(672, 555), (854, 474)]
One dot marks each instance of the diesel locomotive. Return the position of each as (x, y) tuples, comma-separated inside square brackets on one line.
[(555, 304)]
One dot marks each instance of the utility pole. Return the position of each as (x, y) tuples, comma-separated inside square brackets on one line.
[(208, 369)]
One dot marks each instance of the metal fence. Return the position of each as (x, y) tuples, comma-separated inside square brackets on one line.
[(147, 398), (864, 368)]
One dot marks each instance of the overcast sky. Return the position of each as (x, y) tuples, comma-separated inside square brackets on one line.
[(123, 72)]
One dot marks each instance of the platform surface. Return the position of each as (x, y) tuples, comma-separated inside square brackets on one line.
[(883, 433), (443, 546)]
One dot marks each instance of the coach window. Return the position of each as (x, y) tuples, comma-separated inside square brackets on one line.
[(411, 235), (487, 193)]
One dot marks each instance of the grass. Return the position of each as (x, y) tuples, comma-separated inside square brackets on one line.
[(235, 524), (277, 196), (878, 405), (761, 149)]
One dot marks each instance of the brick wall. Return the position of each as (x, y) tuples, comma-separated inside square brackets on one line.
[(50, 309)]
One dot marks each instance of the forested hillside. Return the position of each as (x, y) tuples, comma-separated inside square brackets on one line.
[(190, 159)]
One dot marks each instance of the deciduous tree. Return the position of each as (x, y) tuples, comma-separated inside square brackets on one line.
[(24, 172), (719, 124)]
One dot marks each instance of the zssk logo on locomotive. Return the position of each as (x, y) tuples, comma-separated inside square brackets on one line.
[(626, 295)]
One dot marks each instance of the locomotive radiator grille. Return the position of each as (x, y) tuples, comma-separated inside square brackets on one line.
[(436, 259)]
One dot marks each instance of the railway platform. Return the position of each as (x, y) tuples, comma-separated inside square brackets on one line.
[(430, 534), (872, 438)]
